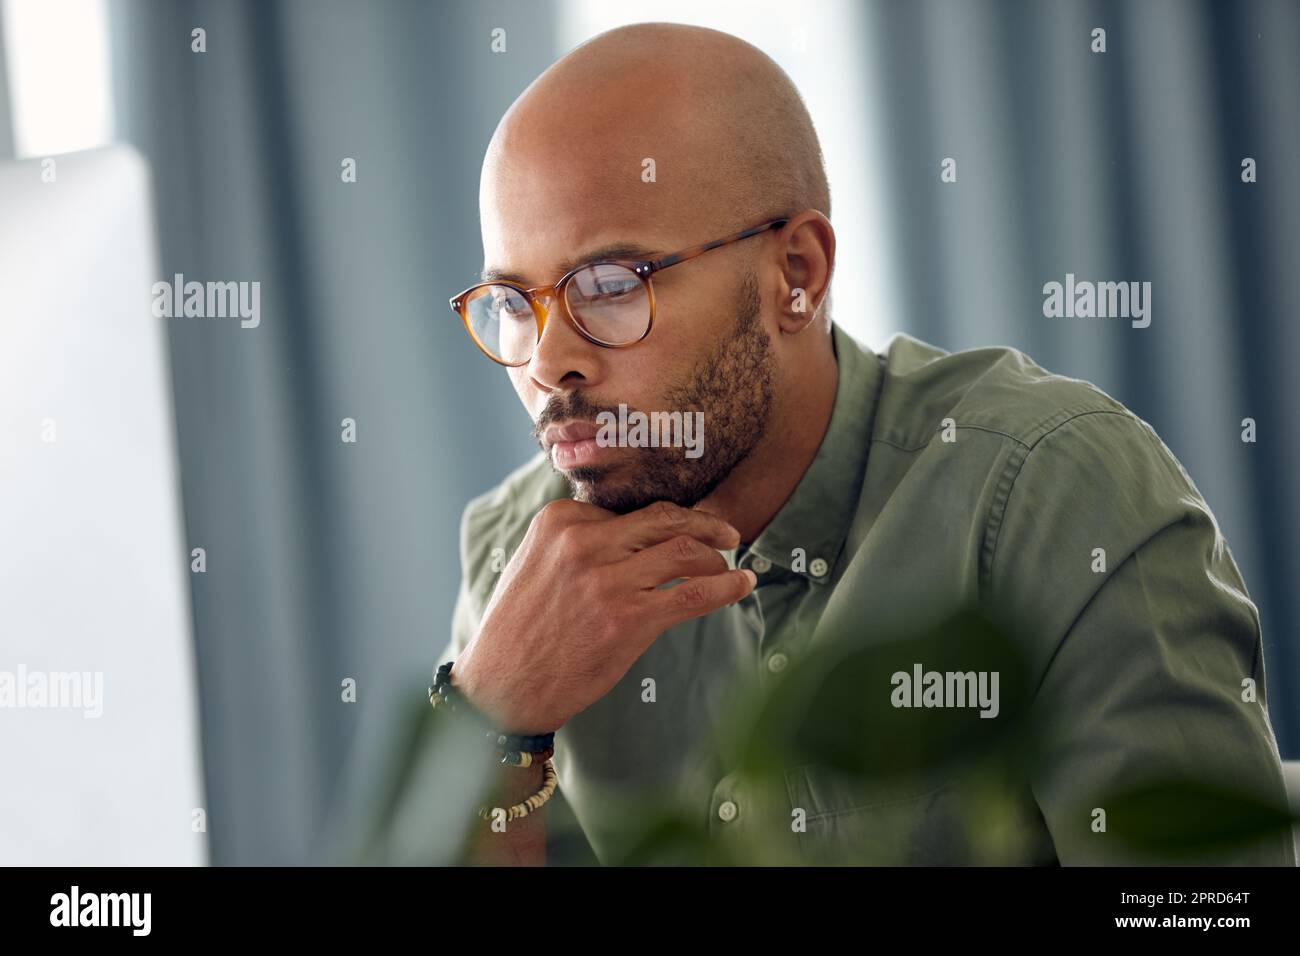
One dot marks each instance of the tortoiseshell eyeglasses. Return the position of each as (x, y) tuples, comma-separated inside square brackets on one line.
[(610, 303)]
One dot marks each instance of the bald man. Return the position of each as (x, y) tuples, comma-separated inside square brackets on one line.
[(726, 478)]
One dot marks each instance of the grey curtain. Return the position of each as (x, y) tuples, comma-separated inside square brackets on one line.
[(1123, 165), (328, 560), (325, 560)]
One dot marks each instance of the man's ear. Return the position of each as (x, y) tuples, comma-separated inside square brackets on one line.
[(805, 259)]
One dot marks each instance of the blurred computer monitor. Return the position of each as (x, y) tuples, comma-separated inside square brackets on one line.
[(99, 741)]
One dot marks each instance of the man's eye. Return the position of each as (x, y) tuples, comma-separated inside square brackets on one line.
[(510, 306)]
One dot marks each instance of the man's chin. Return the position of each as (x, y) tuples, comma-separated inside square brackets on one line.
[(587, 474), (622, 494), (599, 487)]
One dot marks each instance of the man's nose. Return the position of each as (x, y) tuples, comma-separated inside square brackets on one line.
[(561, 352)]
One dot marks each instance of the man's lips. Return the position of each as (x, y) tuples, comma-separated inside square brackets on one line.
[(570, 432), (573, 444)]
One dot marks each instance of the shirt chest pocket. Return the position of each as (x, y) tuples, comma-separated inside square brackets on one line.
[(849, 820)]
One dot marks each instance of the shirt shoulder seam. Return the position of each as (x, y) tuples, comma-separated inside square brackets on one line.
[(1030, 437), (1011, 472)]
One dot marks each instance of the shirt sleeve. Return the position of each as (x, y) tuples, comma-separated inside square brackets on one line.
[(474, 562), (1148, 647), (463, 623)]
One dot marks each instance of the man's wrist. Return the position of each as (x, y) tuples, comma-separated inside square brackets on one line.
[(512, 785), (503, 717)]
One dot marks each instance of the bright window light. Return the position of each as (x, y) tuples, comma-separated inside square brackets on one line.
[(59, 80)]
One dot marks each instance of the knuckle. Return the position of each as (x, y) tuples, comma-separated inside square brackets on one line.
[(568, 540), (690, 595), (671, 515), (549, 516), (684, 546)]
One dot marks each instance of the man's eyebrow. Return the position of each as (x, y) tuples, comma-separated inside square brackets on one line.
[(621, 250)]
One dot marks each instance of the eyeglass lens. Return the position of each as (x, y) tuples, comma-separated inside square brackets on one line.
[(608, 301)]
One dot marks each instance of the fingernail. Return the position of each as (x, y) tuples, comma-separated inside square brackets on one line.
[(753, 578)]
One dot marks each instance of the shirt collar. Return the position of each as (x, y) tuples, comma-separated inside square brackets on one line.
[(807, 535)]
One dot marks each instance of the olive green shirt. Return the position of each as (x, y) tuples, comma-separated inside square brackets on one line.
[(942, 480)]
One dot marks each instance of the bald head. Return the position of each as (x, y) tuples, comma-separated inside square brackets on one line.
[(728, 134)]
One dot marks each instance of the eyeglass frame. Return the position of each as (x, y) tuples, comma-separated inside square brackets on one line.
[(642, 268)]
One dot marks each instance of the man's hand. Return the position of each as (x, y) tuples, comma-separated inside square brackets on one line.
[(579, 602)]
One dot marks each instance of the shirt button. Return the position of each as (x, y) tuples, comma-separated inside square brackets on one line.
[(761, 564), (776, 663), (819, 568), (727, 812)]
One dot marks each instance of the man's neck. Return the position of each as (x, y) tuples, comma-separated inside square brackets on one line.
[(759, 486)]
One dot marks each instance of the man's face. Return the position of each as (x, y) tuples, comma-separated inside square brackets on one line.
[(729, 385), (708, 350)]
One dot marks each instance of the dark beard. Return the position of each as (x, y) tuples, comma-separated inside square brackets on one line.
[(732, 386)]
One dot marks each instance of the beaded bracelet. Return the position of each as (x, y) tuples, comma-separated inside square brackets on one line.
[(534, 802), (523, 759), (513, 747)]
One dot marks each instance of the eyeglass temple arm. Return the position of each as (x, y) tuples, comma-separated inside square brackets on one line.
[(672, 260)]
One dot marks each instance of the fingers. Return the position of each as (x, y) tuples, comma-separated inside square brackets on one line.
[(679, 557), (699, 596), (663, 521)]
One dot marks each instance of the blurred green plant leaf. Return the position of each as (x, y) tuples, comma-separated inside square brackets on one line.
[(835, 706), (1191, 817)]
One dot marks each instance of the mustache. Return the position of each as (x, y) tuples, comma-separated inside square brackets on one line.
[(574, 406)]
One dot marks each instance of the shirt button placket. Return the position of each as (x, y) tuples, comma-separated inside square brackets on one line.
[(727, 826)]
